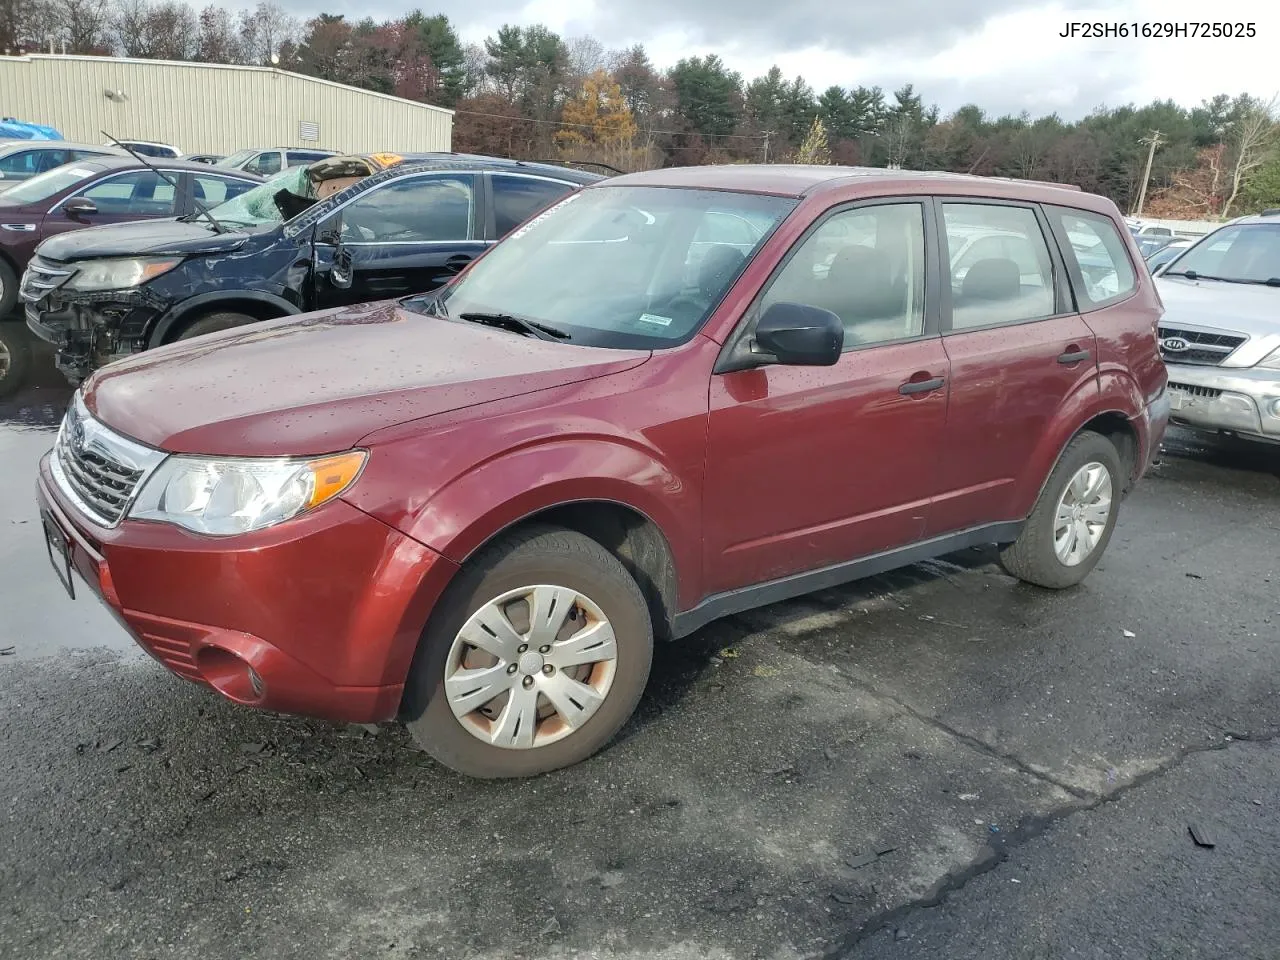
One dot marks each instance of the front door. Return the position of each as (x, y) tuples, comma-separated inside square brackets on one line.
[(404, 237), (1018, 351), (124, 197), (812, 466)]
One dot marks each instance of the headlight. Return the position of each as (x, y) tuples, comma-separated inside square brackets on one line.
[(221, 497), (119, 274), (1271, 361)]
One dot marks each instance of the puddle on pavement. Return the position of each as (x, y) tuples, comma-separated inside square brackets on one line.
[(37, 618)]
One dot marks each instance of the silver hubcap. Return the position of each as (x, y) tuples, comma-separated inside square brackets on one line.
[(1083, 511), (530, 667)]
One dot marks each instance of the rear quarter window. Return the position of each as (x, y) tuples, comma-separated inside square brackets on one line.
[(1097, 257)]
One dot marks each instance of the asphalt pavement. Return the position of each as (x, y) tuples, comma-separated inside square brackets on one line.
[(940, 762)]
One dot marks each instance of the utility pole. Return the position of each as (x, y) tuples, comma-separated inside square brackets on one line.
[(1155, 140), (767, 135)]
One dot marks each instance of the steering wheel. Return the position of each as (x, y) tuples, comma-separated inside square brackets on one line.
[(697, 305)]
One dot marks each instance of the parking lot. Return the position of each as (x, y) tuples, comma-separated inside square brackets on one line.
[(940, 762)]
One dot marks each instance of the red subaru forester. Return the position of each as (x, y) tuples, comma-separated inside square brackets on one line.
[(672, 396)]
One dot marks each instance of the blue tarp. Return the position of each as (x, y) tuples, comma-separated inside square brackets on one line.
[(11, 129)]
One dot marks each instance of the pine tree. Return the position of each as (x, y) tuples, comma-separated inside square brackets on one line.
[(815, 148)]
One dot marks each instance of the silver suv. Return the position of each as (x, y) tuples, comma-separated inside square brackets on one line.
[(1220, 333)]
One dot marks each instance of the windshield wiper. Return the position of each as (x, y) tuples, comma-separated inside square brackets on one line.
[(1192, 275), (507, 321), (200, 207)]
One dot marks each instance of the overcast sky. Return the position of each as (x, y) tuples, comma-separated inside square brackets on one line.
[(1005, 55)]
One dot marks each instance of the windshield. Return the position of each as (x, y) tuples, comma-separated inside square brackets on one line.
[(237, 158), (45, 185), (1245, 253), (637, 267), (259, 205)]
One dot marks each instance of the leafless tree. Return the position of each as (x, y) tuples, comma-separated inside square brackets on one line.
[(82, 24), (586, 56), (1251, 141), (264, 29)]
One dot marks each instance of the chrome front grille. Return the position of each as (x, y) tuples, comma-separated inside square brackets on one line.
[(40, 277), (99, 470), (1197, 346)]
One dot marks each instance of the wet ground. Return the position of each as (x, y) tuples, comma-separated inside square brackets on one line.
[(936, 763)]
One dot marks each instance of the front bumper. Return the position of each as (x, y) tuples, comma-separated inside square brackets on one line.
[(318, 616), (1244, 401)]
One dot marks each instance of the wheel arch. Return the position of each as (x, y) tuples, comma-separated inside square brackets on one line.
[(262, 306), (1114, 424)]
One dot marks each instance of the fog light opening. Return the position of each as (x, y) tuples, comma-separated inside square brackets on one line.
[(230, 675)]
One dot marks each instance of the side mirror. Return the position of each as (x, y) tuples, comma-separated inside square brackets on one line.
[(800, 335), (340, 272), (80, 207)]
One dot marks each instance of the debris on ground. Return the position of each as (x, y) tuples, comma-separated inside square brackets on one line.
[(149, 744), (993, 828), (900, 934), (846, 898), (866, 859), (8, 651), (550, 929), (763, 671), (830, 754), (785, 768), (1201, 836), (1195, 576), (966, 796), (729, 653), (1129, 634), (253, 748), (109, 746)]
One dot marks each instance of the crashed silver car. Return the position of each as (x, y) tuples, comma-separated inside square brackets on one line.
[(1220, 333)]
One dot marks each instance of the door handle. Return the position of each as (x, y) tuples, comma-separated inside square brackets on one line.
[(1073, 356), (920, 386)]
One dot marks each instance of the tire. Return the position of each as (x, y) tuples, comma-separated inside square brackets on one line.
[(213, 322), (1034, 556), (540, 556), (15, 358), (8, 289)]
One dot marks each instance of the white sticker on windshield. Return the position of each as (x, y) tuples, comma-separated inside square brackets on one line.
[(654, 318), (81, 173)]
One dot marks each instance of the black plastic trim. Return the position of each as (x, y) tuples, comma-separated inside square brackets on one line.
[(797, 585)]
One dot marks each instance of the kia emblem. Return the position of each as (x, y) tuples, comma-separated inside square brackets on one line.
[(1174, 344)]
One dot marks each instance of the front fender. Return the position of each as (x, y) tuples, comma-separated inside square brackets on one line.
[(467, 511)]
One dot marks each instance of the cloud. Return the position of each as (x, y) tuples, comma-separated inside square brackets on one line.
[(1004, 55)]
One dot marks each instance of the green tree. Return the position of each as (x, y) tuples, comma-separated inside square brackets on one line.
[(440, 42), (708, 94), (815, 148)]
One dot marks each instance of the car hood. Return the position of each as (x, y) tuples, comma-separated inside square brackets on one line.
[(320, 382), (141, 238)]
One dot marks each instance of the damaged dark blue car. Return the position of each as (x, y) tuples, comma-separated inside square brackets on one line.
[(343, 230)]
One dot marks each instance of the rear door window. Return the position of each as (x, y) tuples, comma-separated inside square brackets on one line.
[(211, 189), (1097, 257), (265, 163), (1010, 279), (516, 199)]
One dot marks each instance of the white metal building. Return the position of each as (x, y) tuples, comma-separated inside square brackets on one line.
[(212, 108)]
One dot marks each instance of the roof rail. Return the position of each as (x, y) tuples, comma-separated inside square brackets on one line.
[(583, 163)]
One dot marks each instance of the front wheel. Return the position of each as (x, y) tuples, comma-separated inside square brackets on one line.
[(1072, 521), (214, 322), (535, 658)]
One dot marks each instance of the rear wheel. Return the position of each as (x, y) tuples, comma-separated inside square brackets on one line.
[(213, 322), (8, 289), (1072, 521), (535, 658), (15, 358)]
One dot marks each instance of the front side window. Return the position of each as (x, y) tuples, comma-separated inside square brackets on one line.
[(613, 265), (516, 199), (1010, 278), (413, 210), (1099, 253), (1244, 253), (140, 192), (865, 265)]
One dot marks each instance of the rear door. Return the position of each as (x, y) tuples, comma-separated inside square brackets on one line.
[(1018, 350), (405, 236), (514, 198)]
